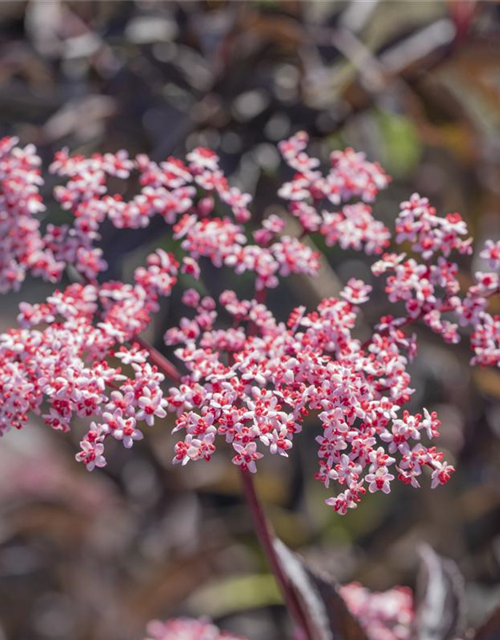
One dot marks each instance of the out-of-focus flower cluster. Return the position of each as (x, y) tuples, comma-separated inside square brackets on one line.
[(78, 354), (385, 615), (186, 629)]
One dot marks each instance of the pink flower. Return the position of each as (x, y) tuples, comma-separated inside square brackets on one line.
[(356, 291), (151, 405), (186, 629), (246, 455), (91, 454), (190, 266), (441, 474), (491, 253), (384, 615), (380, 480)]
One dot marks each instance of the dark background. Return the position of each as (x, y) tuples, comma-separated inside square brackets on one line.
[(414, 84)]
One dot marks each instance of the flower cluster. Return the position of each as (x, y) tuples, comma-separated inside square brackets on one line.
[(386, 615), (186, 629), (63, 365), (252, 383), (431, 289), (350, 176), (22, 247)]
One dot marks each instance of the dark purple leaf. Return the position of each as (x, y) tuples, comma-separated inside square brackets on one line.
[(439, 607), (326, 612), (489, 630)]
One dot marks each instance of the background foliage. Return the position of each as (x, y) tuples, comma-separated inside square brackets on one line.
[(414, 84)]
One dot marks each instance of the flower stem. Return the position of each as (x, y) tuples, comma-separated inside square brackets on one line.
[(159, 360), (266, 539)]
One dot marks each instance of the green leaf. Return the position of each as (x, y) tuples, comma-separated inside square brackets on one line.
[(401, 145)]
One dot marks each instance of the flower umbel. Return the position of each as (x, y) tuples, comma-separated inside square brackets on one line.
[(256, 382)]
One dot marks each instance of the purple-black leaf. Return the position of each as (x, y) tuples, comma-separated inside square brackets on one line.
[(325, 610), (439, 605), (489, 630)]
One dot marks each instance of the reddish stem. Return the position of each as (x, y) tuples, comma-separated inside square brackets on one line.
[(260, 295), (266, 538), (157, 358), (262, 527)]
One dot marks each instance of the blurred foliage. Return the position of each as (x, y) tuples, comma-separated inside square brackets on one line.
[(415, 85)]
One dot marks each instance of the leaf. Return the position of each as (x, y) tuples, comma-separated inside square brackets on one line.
[(401, 142), (440, 598), (326, 612), (224, 597), (489, 630)]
